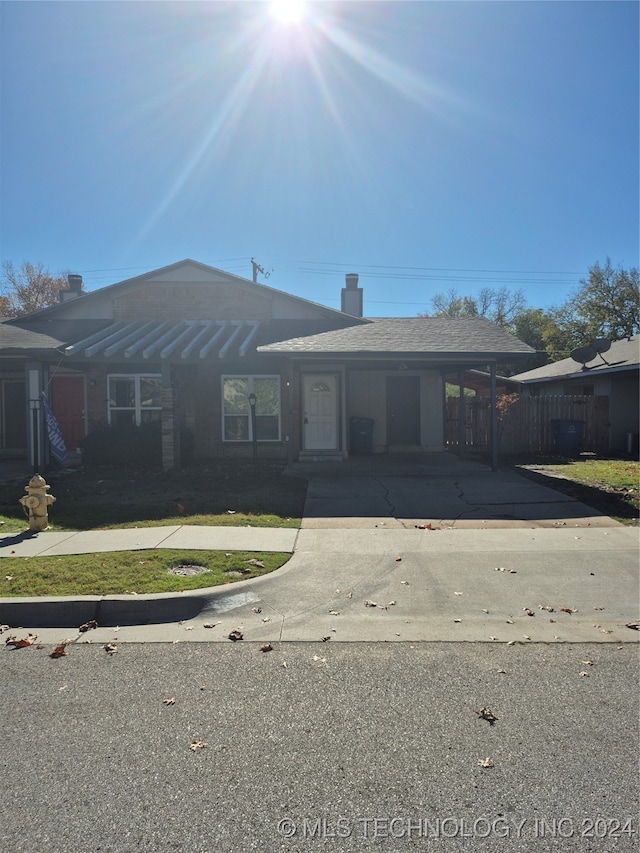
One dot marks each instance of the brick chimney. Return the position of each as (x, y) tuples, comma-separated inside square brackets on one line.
[(351, 301), (75, 288)]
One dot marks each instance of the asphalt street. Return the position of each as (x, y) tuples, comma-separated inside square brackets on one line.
[(319, 746)]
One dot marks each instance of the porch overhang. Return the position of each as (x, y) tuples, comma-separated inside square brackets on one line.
[(187, 340)]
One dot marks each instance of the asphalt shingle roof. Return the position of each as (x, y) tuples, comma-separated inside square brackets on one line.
[(405, 335), (16, 336), (623, 355)]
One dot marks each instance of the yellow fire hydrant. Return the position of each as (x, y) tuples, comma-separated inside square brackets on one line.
[(37, 502)]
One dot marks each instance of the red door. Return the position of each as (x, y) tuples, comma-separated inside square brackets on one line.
[(67, 402)]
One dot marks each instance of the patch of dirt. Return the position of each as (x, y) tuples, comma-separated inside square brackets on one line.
[(187, 571)]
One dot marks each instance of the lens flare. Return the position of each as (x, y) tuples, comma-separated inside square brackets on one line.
[(288, 11)]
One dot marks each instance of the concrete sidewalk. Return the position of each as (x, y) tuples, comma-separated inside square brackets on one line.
[(54, 544), (579, 584)]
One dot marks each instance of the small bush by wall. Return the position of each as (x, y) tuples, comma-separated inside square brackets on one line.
[(123, 445)]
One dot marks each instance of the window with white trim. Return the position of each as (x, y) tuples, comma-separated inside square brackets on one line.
[(134, 398), (236, 411)]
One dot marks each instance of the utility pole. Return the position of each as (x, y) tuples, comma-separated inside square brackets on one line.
[(258, 269)]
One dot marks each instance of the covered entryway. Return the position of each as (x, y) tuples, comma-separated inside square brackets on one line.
[(320, 414), (403, 410)]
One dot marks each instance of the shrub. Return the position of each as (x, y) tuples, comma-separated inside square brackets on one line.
[(126, 444)]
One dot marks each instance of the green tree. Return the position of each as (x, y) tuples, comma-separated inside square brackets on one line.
[(28, 288), (538, 328), (606, 305)]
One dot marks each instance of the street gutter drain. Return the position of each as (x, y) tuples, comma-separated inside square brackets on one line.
[(187, 571)]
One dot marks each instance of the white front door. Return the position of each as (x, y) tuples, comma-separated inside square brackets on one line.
[(320, 416)]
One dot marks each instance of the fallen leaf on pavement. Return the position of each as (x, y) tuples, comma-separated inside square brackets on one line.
[(528, 612), (266, 648), (457, 620), (370, 603), (546, 607), (325, 639), (635, 626), (405, 583), (256, 609), (236, 635), (487, 714), (210, 624), (334, 613), (110, 648), (587, 662), (171, 701), (485, 762), (59, 651), (197, 744), (583, 673), (88, 626), (458, 593), (29, 640), (569, 609), (4, 628), (398, 559)]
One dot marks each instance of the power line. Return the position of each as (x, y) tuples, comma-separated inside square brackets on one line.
[(453, 278), (443, 269)]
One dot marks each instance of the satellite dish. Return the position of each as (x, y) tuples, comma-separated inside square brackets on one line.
[(601, 345), (584, 354)]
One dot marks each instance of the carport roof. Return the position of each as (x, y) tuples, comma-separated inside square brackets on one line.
[(443, 336)]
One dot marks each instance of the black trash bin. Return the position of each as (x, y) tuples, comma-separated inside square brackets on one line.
[(567, 436), (361, 436)]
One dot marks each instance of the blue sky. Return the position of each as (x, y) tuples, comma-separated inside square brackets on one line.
[(424, 145)]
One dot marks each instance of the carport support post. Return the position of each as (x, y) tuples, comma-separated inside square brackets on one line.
[(494, 419), (462, 416)]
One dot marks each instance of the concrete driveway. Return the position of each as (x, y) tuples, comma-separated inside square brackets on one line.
[(435, 488)]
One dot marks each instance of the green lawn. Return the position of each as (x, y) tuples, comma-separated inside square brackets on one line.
[(605, 473), (129, 572), (608, 485)]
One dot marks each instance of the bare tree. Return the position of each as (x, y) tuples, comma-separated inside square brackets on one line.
[(28, 288), (500, 305)]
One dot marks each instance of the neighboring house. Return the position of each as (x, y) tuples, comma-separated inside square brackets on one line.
[(614, 374), (190, 347)]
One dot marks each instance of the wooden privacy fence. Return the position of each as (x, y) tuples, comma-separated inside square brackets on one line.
[(525, 425)]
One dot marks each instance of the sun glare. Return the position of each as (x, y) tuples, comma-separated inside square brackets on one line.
[(288, 11)]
